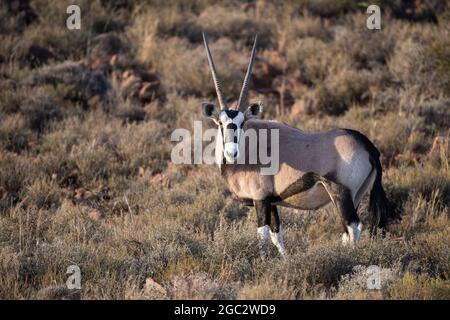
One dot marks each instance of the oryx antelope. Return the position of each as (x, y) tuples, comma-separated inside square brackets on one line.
[(315, 168)]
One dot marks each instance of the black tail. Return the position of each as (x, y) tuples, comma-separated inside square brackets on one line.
[(379, 206)]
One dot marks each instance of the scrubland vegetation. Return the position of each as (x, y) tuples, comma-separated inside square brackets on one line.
[(85, 123)]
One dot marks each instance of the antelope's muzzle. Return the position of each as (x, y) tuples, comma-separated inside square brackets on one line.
[(231, 142)]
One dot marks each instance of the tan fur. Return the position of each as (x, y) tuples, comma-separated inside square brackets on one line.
[(325, 153)]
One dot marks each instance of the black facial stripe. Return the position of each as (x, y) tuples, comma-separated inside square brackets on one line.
[(231, 113), (231, 128)]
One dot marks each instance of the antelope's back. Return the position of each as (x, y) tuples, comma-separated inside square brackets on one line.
[(300, 152)]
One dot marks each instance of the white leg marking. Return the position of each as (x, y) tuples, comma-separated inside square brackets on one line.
[(353, 233), (263, 233), (278, 241)]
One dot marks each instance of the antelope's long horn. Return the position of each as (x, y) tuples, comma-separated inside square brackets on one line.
[(243, 96), (222, 104)]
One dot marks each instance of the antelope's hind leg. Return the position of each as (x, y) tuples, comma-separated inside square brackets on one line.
[(276, 234), (343, 202)]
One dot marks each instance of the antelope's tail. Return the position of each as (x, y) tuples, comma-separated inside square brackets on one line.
[(380, 207)]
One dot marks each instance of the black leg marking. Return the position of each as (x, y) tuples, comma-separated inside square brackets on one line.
[(307, 181), (274, 220), (262, 212), (343, 202)]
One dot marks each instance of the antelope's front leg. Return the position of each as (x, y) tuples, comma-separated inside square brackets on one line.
[(263, 209), (276, 234)]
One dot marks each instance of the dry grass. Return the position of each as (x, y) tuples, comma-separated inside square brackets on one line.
[(85, 171)]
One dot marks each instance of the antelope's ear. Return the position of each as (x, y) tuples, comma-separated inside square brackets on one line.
[(253, 111), (210, 110)]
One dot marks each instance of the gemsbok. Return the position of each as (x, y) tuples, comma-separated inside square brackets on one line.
[(315, 168)]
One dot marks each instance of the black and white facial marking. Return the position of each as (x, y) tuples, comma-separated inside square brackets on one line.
[(230, 123)]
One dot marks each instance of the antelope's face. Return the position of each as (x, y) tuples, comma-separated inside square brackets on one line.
[(230, 123)]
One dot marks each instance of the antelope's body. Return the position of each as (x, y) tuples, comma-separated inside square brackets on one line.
[(315, 168), (339, 155)]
